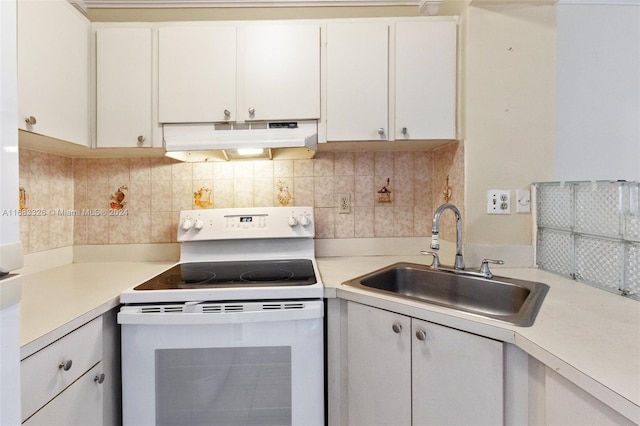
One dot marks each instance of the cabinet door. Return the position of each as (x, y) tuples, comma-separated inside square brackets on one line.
[(197, 74), (457, 377), (123, 75), (53, 70), (281, 71), (425, 80), (79, 405), (357, 81), (379, 366)]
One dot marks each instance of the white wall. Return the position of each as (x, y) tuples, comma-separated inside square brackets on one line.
[(598, 90)]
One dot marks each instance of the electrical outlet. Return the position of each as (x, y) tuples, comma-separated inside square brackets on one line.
[(344, 203), (499, 201)]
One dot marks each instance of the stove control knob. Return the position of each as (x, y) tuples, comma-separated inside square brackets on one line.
[(292, 221), (186, 224), (304, 221), (198, 224)]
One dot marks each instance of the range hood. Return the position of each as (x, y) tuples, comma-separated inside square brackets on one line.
[(235, 141)]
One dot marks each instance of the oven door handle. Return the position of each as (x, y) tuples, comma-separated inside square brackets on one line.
[(145, 316)]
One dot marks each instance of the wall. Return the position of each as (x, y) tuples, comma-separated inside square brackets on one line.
[(77, 195), (508, 111), (598, 136)]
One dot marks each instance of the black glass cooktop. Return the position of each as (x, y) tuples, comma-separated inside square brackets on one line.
[(253, 273)]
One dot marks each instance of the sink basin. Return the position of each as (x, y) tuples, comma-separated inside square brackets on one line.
[(516, 302)]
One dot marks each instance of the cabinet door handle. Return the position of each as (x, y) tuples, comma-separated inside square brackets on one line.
[(421, 335), (252, 111), (31, 120), (381, 131), (140, 139), (404, 130), (227, 113), (99, 378), (396, 327), (65, 365)]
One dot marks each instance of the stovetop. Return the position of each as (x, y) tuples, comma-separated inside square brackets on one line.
[(253, 273)]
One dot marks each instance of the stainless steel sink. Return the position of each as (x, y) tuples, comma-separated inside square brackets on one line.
[(509, 300)]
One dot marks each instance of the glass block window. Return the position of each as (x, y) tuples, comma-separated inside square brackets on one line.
[(590, 231)]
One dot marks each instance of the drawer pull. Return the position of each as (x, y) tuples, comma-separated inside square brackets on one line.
[(99, 378), (65, 365)]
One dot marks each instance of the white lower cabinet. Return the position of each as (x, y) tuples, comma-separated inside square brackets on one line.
[(403, 371), (62, 384)]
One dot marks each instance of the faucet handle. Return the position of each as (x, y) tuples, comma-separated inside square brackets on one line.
[(484, 268), (436, 260)]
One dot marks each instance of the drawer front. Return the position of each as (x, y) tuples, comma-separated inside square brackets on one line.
[(42, 377), (78, 405)]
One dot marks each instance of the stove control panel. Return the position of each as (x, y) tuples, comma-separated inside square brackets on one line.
[(246, 223)]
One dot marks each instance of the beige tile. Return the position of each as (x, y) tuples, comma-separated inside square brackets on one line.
[(303, 192), (263, 169), (243, 170), (243, 193), (39, 233), (383, 221), (364, 222), (161, 168), (60, 231), (384, 164), (345, 164), (181, 171), (223, 193), (140, 169), (325, 222), (403, 221), (344, 226), (118, 169), (422, 221), (282, 168), (403, 164), (161, 196), (140, 228), (364, 163), (303, 168), (119, 230), (181, 195), (25, 222), (203, 171), (161, 227), (264, 192), (38, 164), (98, 229), (344, 184), (97, 171), (403, 191), (365, 193), (323, 192), (222, 170), (323, 164), (139, 197), (80, 230), (24, 162)]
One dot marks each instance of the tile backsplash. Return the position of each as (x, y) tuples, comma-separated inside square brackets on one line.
[(590, 231), (137, 200)]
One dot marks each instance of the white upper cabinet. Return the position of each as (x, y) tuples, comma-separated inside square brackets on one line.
[(53, 70), (257, 71), (281, 71), (124, 82), (357, 81), (197, 78), (425, 80)]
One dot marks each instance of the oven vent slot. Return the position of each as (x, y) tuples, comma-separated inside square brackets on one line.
[(280, 306), (151, 310), (233, 308), (211, 309)]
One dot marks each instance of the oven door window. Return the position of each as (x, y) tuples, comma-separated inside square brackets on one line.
[(226, 386)]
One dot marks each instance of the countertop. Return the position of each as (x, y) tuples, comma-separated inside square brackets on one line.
[(59, 300), (586, 334)]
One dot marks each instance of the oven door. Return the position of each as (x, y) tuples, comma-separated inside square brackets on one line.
[(230, 363)]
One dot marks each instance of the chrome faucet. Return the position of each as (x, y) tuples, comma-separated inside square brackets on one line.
[(435, 245)]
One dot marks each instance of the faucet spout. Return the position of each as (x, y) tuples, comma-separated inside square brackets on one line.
[(435, 230)]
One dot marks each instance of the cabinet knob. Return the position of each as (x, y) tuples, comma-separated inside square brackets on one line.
[(99, 378), (227, 113), (381, 131), (396, 327), (252, 111), (140, 139), (65, 365), (421, 335), (31, 120), (404, 130)]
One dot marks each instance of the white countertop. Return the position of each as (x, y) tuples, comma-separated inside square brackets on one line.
[(590, 336), (586, 334), (57, 301)]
